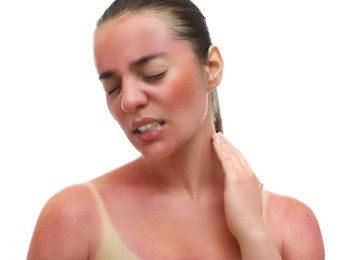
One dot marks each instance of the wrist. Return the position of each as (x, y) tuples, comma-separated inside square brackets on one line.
[(257, 244)]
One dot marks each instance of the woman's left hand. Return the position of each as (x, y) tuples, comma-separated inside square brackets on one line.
[(242, 191)]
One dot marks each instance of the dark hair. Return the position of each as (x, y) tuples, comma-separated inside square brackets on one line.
[(186, 21)]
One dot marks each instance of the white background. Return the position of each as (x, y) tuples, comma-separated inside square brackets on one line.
[(282, 101)]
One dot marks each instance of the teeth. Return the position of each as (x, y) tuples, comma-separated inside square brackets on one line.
[(149, 127)]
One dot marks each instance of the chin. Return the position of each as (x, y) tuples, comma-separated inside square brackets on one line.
[(154, 155), (154, 151)]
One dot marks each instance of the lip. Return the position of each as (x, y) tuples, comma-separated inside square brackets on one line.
[(141, 122), (147, 136)]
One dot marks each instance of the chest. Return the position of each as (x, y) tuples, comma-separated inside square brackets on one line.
[(175, 231)]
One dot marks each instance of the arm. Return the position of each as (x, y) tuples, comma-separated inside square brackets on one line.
[(61, 232), (243, 204)]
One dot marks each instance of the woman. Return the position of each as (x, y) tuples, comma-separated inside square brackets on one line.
[(191, 195)]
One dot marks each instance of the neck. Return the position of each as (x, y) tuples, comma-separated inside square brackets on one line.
[(194, 171)]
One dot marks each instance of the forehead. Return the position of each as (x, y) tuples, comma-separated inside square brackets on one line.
[(135, 22), (134, 35)]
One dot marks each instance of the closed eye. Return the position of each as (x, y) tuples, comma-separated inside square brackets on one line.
[(155, 77), (114, 90)]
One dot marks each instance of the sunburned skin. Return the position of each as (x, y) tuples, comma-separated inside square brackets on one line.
[(111, 246), (151, 48), (157, 225), (190, 194)]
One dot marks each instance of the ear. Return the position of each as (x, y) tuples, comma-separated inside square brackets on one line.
[(214, 67)]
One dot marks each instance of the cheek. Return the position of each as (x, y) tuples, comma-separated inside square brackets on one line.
[(187, 92)]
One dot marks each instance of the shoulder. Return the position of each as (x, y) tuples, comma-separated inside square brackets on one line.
[(69, 204), (297, 225), (67, 217)]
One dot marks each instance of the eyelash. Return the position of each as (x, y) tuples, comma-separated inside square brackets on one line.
[(149, 79), (155, 77), (113, 90)]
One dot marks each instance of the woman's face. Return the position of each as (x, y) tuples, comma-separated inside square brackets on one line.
[(156, 89)]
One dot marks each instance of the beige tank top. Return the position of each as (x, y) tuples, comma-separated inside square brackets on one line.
[(112, 247)]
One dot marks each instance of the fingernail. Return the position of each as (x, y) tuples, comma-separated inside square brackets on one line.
[(216, 138)]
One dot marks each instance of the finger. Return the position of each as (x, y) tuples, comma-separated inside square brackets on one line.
[(227, 151), (233, 160)]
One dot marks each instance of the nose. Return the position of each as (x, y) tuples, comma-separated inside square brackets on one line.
[(133, 98)]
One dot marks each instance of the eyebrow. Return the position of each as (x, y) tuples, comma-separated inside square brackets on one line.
[(136, 63)]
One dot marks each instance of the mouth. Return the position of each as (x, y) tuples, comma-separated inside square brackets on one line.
[(149, 127)]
